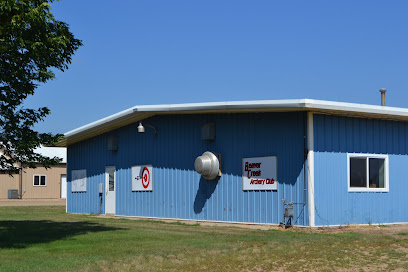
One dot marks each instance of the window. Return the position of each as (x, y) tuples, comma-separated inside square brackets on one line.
[(40, 180), (112, 180), (367, 172)]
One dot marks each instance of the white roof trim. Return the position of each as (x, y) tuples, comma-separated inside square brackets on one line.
[(53, 152), (277, 104), (100, 122), (137, 113)]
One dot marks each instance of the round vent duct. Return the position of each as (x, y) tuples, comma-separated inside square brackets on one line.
[(207, 165)]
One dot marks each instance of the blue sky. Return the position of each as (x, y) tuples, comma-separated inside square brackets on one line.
[(161, 52)]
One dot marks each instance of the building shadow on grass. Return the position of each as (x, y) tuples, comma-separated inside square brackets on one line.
[(21, 234)]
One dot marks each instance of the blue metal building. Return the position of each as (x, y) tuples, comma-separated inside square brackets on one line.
[(340, 163)]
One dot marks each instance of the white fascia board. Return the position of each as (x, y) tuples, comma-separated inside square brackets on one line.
[(100, 122), (318, 106), (242, 105), (289, 104), (232, 105), (358, 109)]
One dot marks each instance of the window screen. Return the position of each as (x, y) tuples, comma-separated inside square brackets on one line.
[(36, 180), (358, 172), (377, 178), (42, 180)]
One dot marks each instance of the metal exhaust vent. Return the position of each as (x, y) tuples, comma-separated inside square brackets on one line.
[(382, 91), (207, 165)]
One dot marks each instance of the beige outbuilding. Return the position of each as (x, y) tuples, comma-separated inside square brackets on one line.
[(39, 182)]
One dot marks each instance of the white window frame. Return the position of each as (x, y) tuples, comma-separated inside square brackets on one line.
[(39, 179), (367, 157)]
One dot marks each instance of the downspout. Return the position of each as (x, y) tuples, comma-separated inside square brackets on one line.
[(310, 168), (20, 182)]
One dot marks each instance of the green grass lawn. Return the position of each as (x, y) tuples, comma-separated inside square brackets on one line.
[(47, 239)]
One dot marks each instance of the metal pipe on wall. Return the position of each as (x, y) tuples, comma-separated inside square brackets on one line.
[(20, 182)]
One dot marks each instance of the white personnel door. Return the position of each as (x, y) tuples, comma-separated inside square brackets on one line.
[(110, 188), (63, 186)]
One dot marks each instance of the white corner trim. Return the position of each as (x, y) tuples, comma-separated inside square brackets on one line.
[(310, 167)]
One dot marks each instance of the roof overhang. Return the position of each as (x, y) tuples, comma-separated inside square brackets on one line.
[(138, 113)]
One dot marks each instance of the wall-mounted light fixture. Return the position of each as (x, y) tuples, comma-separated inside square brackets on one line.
[(141, 128)]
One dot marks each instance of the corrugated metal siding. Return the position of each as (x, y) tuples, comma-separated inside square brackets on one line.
[(178, 191), (86, 158), (335, 137)]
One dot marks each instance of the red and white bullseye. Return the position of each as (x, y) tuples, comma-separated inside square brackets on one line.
[(145, 177)]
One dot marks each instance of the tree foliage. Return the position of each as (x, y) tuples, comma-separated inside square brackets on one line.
[(32, 44)]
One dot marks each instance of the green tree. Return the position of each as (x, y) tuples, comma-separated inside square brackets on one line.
[(32, 44)]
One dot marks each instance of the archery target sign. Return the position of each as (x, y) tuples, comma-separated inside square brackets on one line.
[(142, 178)]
